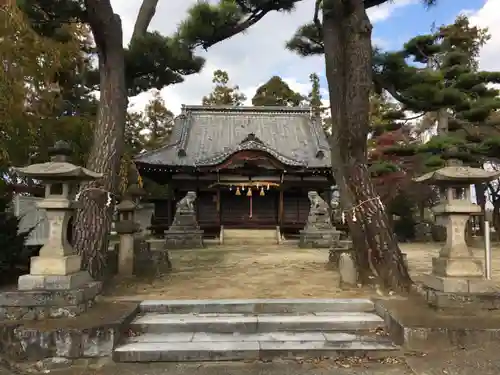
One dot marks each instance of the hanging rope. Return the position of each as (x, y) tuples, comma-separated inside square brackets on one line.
[(353, 209)]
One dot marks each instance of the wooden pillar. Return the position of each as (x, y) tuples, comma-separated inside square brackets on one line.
[(280, 207), (197, 198), (219, 219), (169, 205)]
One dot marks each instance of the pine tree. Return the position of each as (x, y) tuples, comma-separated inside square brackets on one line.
[(314, 96), (157, 122), (223, 94), (449, 88), (12, 248), (276, 92), (451, 92)]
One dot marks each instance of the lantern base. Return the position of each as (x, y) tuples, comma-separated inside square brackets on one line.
[(64, 265), (460, 294), (54, 282)]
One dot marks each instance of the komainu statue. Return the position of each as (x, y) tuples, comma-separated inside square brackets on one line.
[(186, 203), (185, 233), (319, 212), (319, 231)]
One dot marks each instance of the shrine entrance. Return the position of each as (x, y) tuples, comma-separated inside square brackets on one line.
[(249, 208)]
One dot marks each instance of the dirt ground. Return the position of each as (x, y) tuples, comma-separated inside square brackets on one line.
[(482, 360), (257, 271)]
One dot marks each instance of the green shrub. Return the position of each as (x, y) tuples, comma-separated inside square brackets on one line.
[(13, 252)]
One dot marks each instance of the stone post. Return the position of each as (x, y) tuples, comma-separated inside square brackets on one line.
[(126, 227)]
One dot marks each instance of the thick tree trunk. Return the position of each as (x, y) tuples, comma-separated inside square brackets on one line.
[(442, 121), (347, 40), (93, 220), (496, 218)]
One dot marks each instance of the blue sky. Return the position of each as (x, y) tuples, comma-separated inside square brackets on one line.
[(253, 57), (414, 19)]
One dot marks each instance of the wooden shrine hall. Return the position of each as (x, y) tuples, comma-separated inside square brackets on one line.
[(251, 167)]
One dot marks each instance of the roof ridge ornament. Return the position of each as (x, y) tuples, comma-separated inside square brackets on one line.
[(251, 137)]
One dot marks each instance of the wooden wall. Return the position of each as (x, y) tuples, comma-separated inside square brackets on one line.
[(234, 210)]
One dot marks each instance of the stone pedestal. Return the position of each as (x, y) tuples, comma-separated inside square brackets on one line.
[(184, 233), (323, 239), (192, 239)]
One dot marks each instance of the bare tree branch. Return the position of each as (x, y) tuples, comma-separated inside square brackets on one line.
[(316, 20), (144, 17)]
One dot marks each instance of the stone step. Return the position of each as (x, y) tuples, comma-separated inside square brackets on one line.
[(231, 323), (202, 346), (258, 306), (250, 236), (258, 234)]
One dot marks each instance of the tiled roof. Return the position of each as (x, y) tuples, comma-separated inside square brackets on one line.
[(205, 136)]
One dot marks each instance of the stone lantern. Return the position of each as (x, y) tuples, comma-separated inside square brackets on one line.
[(456, 269), (57, 266), (126, 227), (143, 211)]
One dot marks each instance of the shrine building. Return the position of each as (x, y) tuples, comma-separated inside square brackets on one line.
[(251, 167)]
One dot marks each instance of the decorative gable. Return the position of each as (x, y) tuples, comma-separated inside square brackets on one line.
[(251, 137)]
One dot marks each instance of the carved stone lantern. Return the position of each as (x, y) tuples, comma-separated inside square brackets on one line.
[(456, 269), (57, 266), (126, 227), (143, 211)]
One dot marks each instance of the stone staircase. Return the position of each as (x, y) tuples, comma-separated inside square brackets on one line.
[(250, 237), (233, 330)]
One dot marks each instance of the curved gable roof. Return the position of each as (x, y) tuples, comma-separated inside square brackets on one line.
[(205, 136)]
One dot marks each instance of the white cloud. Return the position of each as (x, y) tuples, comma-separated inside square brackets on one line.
[(489, 16), (250, 58), (384, 11)]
